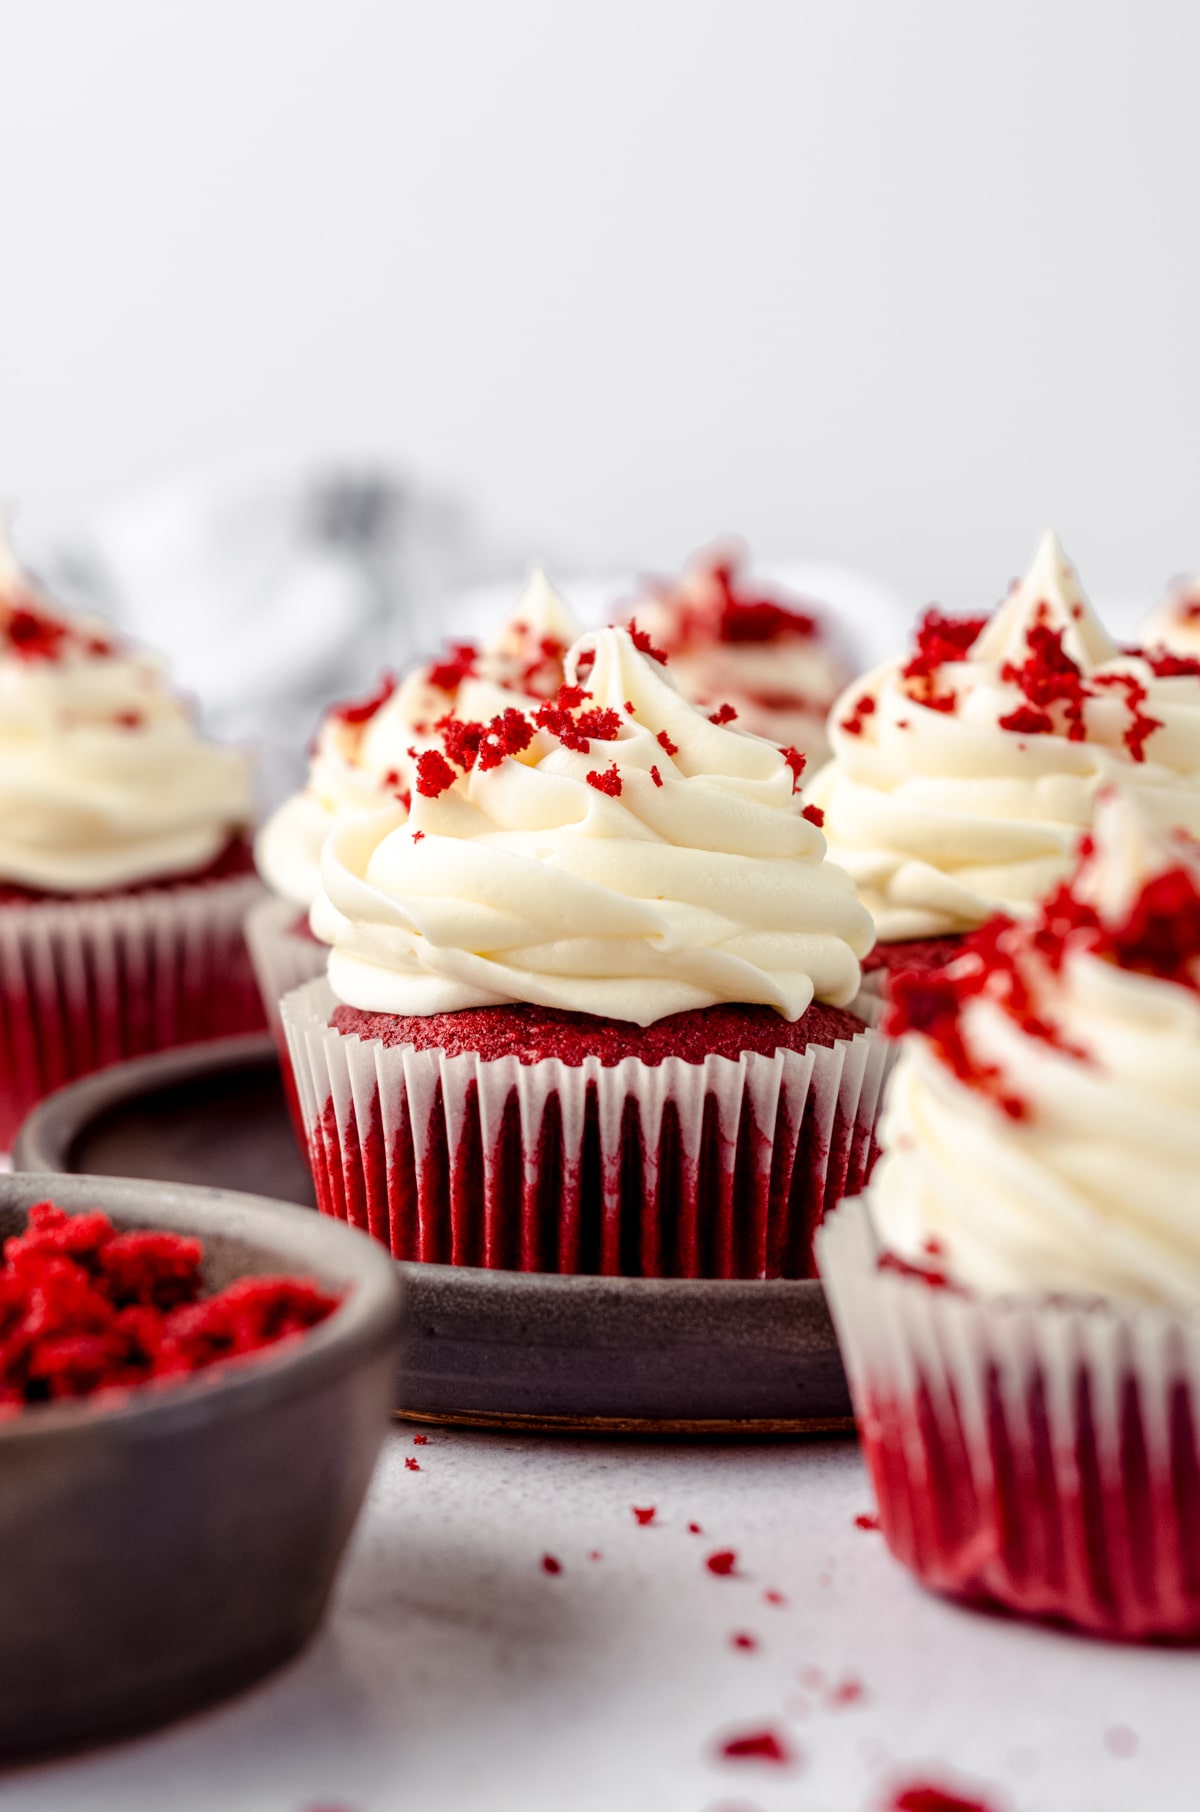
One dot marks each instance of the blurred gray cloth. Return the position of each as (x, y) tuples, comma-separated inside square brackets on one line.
[(273, 594)]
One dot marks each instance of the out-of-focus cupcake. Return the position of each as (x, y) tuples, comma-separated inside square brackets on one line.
[(1017, 1294), (1173, 626), (363, 759), (965, 774), (732, 642), (125, 862), (586, 1003)]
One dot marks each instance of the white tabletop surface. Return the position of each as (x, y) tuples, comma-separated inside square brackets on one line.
[(455, 1674)]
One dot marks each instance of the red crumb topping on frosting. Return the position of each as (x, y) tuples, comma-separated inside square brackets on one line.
[(753, 616), (33, 634), (814, 814), (644, 645), (724, 714), (1054, 691), (84, 1308), (1007, 959), (606, 781), (455, 666), (656, 777), (361, 711), (797, 762), (664, 742), (718, 604), (434, 774), (940, 641), (862, 708), (1171, 666), (531, 1034)]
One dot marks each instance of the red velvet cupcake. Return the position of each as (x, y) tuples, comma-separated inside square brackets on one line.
[(966, 772), (586, 1006), (1017, 1295), (125, 865)]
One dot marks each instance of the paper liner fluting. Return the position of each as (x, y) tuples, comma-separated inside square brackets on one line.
[(284, 954), (1035, 1453), (719, 1169), (88, 983)]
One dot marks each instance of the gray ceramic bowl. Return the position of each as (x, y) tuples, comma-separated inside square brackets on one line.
[(167, 1551)]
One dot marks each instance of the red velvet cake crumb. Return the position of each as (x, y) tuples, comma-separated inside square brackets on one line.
[(550, 1564), (723, 1562), (607, 780), (923, 1796), (867, 1519), (644, 645), (758, 1746), (84, 1308), (234, 861), (645, 1516), (797, 762), (361, 711), (457, 665), (532, 1034), (742, 1639)]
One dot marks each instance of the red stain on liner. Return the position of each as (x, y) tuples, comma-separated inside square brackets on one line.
[(743, 1639)]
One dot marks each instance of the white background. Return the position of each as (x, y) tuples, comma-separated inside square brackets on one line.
[(892, 285)]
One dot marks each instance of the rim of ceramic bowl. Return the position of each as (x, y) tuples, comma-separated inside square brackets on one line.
[(365, 1321)]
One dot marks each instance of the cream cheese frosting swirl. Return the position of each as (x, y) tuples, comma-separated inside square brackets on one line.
[(364, 753), (104, 780), (630, 858), (1088, 1032), (1174, 624), (964, 778), (774, 661)]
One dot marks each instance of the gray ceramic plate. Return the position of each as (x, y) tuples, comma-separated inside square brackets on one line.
[(481, 1346)]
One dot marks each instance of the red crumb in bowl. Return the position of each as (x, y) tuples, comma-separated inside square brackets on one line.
[(85, 1308)]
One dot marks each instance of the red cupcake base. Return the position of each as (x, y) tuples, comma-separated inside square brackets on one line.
[(651, 1167), (1042, 1457), (85, 983)]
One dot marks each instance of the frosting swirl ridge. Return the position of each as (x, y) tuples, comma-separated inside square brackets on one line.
[(964, 777), (620, 854)]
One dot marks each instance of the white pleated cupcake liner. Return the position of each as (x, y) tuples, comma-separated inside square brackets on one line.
[(86, 983), (283, 956), (1037, 1453), (719, 1169)]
